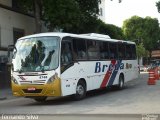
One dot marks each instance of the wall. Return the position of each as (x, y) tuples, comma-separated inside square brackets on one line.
[(102, 5), (10, 20), (6, 2)]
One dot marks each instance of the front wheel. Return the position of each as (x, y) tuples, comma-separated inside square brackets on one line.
[(40, 99), (80, 90)]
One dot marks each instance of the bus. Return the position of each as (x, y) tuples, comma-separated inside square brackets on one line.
[(62, 64)]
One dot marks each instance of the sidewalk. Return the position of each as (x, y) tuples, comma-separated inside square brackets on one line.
[(6, 93)]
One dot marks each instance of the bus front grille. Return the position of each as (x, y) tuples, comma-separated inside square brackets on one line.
[(32, 91)]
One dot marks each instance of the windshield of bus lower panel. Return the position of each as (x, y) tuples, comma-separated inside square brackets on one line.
[(36, 54)]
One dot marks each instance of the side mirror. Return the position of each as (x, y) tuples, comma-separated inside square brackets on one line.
[(10, 49)]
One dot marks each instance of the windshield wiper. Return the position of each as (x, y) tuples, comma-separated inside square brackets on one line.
[(42, 69)]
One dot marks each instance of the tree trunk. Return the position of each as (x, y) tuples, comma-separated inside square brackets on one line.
[(150, 56), (38, 23)]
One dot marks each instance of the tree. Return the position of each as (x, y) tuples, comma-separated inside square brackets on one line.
[(158, 6), (141, 51), (109, 29), (145, 30), (133, 28), (151, 33), (70, 15), (61, 14)]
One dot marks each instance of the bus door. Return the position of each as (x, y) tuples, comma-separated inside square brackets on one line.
[(66, 54), (67, 68)]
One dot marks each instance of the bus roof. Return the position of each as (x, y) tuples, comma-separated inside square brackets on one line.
[(95, 36)]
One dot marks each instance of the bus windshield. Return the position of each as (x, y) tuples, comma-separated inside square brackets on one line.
[(36, 54)]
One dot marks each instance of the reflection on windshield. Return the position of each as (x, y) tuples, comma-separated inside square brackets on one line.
[(36, 54)]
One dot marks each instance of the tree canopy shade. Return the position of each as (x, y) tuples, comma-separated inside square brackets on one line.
[(145, 30)]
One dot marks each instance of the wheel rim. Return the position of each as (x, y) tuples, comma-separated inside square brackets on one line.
[(80, 89)]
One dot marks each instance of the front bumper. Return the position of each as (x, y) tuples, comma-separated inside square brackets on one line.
[(52, 89)]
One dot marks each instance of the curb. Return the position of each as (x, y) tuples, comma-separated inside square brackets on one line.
[(3, 98)]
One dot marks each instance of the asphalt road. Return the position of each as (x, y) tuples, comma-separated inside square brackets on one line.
[(137, 98)]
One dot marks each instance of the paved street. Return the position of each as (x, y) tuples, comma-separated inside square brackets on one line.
[(136, 98)]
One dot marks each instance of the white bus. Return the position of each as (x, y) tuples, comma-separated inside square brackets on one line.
[(61, 64)]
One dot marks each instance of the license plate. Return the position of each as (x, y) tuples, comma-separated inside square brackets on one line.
[(31, 89)]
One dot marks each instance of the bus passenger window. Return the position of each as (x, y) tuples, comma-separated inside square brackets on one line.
[(131, 51), (121, 50), (113, 50), (133, 47), (93, 49), (128, 52), (104, 51), (79, 47)]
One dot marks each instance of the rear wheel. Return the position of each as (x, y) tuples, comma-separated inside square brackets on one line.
[(40, 99), (121, 82), (80, 90)]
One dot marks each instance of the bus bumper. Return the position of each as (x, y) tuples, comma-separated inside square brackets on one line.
[(52, 89)]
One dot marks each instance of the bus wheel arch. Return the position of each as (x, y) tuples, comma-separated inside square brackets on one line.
[(81, 89), (121, 81)]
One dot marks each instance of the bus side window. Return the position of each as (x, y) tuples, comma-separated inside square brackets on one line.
[(113, 51), (133, 47), (104, 51), (121, 51), (128, 52), (93, 49), (79, 47)]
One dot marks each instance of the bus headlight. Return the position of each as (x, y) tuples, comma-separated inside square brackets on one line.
[(51, 79), (14, 80)]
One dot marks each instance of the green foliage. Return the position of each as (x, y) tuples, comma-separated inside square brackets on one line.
[(61, 14), (109, 29), (151, 33), (77, 16), (133, 27), (74, 16), (88, 8), (26, 6), (146, 30), (141, 51), (158, 6)]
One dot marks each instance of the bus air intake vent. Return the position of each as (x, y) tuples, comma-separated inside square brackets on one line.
[(32, 91)]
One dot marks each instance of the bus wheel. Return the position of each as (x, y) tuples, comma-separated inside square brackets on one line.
[(40, 99), (121, 82), (80, 90)]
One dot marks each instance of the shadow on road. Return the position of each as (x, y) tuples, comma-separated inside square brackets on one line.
[(69, 99)]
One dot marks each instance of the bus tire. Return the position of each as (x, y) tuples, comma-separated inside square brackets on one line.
[(40, 99), (121, 82), (80, 90)]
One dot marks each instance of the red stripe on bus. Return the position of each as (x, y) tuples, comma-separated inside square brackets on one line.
[(108, 74)]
